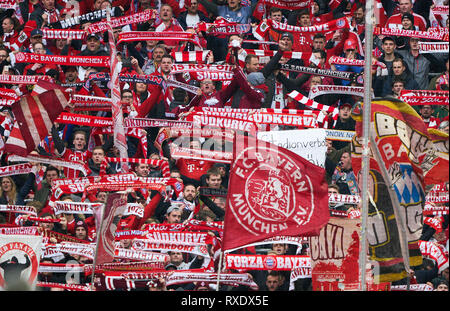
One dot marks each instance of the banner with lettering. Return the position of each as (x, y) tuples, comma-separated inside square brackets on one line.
[(335, 256), (401, 152), (19, 261), (310, 144)]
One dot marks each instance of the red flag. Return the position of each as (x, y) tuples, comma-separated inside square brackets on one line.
[(436, 168), (114, 208), (34, 117), (120, 141), (272, 192)]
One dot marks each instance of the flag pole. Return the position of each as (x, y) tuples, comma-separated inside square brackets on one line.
[(219, 270), (120, 141), (368, 39), (103, 206)]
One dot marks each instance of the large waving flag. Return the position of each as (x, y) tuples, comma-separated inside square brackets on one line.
[(435, 165), (34, 117), (114, 208), (400, 146), (272, 192)]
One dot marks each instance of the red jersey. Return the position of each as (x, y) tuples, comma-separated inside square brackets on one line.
[(193, 168), (395, 21), (76, 156)]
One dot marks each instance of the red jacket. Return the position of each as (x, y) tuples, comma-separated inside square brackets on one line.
[(216, 99), (253, 96)]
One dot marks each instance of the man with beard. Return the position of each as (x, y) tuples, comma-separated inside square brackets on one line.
[(189, 199), (344, 176), (426, 112)]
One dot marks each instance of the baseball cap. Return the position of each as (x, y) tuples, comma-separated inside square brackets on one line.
[(387, 38), (345, 101), (92, 35), (81, 223), (172, 208), (171, 266), (289, 35), (349, 45), (37, 32), (408, 16)]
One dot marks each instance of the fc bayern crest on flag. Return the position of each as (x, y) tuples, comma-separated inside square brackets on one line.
[(273, 191), (19, 261)]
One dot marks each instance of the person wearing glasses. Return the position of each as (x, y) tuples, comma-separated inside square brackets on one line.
[(39, 68)]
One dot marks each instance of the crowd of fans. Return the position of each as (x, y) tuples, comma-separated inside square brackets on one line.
[(261, 84)]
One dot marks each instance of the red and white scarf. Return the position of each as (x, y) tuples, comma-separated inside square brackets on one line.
[(159, 263), (440, 10), (434, 222), (91, 103), (68, 287), (124, 253), (440, 36), (8, 4), (136, 18), (353, 62), (161, 164), (23, 79), (187, 87), (22, 209), (149, 245), (288, 4), (7, 102), (16, 169), (74, 207), (9, 94), (437, 197), (91, 61), (260, 30), (198, 57), (424, 100), (433, 210), (246, 119), (172, 36), (318, 90), (223, 123), (55, 162), (287, 54), (221, 27), (422, 93), (199, 154), (434, 252), (144, 122), (313, 104), (189, 276), (63, 34), (433, 47), (344, 198), (181, 68)]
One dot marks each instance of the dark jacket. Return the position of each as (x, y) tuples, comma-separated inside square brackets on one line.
[(271, 79), (182, 18), (36, 15), (252, 97), (95, 168)]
